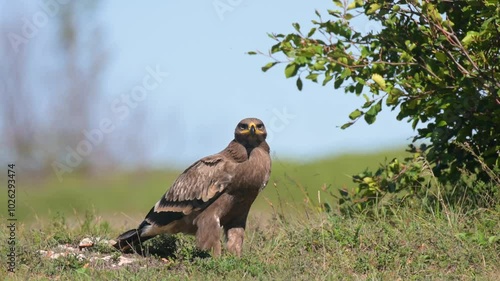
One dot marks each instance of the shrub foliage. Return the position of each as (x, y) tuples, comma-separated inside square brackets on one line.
[(435, 62)]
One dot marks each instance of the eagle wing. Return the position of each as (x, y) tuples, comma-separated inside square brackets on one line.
[(195, 189)]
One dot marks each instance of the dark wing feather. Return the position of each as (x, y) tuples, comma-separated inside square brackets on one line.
[(196, 188)]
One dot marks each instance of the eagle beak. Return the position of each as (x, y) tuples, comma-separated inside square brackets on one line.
[(252, 129)]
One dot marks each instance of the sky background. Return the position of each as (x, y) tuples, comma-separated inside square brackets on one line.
[(212, 83)]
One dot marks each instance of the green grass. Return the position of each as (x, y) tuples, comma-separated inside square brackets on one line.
[(412, 245)]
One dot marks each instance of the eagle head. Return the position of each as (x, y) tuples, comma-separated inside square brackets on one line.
[(250, 132)]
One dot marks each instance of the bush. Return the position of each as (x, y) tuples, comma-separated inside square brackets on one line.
[(437, 63)]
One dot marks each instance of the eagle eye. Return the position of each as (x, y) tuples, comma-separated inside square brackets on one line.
[(243, 126), (260, 126)]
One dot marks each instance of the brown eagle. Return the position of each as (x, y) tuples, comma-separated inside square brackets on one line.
[(213, 193)]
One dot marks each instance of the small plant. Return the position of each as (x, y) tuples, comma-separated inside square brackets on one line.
[(179, 247), (101, 246), (392, 183), (93, 225), (479, 237), (162, 246), (70, 261), (186, 249), (115, 257), (413, 182), (60, 232)]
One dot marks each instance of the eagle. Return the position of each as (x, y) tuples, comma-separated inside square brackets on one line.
[(214, 193)]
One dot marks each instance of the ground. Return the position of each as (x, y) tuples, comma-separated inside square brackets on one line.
[(308, 245)]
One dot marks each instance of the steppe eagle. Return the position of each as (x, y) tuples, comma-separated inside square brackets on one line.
[(215, 192)]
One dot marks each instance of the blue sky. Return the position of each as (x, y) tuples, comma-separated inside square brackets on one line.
[(212, 83)]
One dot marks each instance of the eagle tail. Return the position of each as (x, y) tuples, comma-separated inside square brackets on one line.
[(132, 238), (147, 229)]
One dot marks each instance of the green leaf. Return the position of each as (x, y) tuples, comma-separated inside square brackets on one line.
[(373, 8), (345, 73), (367, 99), (355, 114), (378, 107), (370, 119), (368, 104), (441, 123), (392, 100), (338, 83), (360, 80), (359, 88), (406, 57), (299, 83), (318, 66), (365, 52), (370, 115), (396, 92), (393, 97), (379, 80), (441, 57), (251, 53), (338, 3), (410, 45), (312, 77), (352, 5), (328, 78), (414, 124), (311, 32), (470, 38), (335, 13), (296, 26), (291, 70), (275, 48), (268, 66), (346, 125)]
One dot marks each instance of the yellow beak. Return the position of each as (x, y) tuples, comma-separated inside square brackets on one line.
[(252, 128)]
